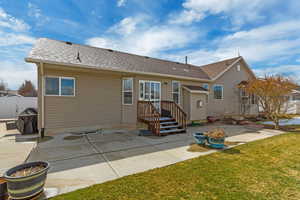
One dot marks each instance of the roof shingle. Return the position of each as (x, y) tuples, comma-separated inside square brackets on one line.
[(53, 51)]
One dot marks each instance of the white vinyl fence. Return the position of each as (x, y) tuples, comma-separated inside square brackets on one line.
[(11, 106)]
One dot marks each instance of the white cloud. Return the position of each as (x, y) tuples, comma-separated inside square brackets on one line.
[(147, 42), (8, 21), (126, 26), (15, 42), (8, 39), (34, 10), (15, 73), (121, 3), (135, 35), (266, 43), (238, 11), (102, 42), (292, 71)]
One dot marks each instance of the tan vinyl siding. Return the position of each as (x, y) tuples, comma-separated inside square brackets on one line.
[(198, 113), (186, 103), (230, 104), (97, 101)]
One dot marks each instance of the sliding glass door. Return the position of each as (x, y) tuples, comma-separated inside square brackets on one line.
[(150, 91)]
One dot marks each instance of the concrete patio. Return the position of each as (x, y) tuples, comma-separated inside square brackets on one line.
[(79, 161), (14, 148)]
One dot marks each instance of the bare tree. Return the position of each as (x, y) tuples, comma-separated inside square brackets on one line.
[(27, 89), (3, 86), (272, 92)]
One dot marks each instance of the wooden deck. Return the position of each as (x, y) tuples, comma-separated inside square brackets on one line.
[(175, 122)]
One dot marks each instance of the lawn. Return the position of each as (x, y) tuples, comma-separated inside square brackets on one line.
[(265, 169)]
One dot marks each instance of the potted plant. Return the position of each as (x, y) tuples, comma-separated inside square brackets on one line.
[(3, 188), (216, 138), (200, 138), (26, 180)]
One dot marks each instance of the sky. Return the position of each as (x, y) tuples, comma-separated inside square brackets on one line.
[(265, 32)]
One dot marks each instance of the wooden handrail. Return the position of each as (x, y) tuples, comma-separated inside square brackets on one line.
[(146, 112), (176, 112)]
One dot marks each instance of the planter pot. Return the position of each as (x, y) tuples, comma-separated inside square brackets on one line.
[(3, 188), (200, 138), (216, 143), (25, 187)]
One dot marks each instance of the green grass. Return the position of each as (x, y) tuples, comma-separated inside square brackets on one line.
[(265, 169)]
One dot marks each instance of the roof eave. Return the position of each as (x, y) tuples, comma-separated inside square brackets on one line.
[(195, 91), (32, 60)]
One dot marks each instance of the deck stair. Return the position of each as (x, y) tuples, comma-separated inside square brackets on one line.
[(174, 122)]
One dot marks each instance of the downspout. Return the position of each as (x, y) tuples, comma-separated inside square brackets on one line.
[(42, 132)]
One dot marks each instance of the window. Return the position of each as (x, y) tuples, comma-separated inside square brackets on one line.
[(205, 86), (127, 91), (52, 86), (176, 91), (238, 67), (67, 86), (60, 86), (218, 91)]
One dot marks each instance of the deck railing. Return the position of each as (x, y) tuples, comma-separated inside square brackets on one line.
[(176, 112), (147, 112)]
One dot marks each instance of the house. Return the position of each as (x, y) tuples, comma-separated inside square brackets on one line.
[(293, 105), (83, 87)]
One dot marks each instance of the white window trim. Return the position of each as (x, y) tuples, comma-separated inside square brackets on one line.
[(179, 93), (144, 81), (59, 86), (216, 85), (123, 91)]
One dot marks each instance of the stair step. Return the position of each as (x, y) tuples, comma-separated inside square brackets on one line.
[(172, 131), (168, 123), (169, 127), (164, 119)]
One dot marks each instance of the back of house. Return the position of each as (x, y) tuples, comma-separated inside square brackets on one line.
[(82, 87)]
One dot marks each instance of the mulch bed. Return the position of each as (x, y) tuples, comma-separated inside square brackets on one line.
[(28, 171), (203, 148)]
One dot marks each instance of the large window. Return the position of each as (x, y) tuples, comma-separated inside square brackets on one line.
[(176, 91), (218, 91), (127, 91), (59, 86)]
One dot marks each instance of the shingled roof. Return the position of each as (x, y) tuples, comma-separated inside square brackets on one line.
[(215, 69), (66, 53)]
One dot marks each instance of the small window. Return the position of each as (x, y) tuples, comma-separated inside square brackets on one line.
[(205, 86), (52, 86), (238, 67), (59, 86), (176, 91), (67, 86), (218, 92), (127, 91)]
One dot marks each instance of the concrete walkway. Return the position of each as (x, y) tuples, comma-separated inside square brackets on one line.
[(14, 148), (79, 161)]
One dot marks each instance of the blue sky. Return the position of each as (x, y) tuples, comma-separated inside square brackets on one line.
[(265, 32)]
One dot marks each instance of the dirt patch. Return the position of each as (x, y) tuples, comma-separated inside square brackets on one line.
[(44, 139), (28, 171), (227, 143), (198, 148), (73, 137), (203, 148)]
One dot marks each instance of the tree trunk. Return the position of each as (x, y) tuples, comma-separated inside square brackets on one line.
[(276, 121)]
